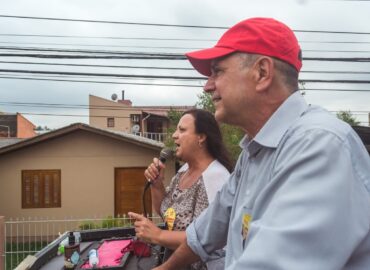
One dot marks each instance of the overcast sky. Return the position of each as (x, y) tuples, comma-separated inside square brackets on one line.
[(28, 36)]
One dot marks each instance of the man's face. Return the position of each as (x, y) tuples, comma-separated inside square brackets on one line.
[(231, 88)]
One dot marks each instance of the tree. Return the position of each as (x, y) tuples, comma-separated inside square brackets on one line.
[(302, 87), (347, 117), (40, 128), (231, 134), (174, 117), (205, 102)]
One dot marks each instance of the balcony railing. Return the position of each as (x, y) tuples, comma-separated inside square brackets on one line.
[(152, 135)]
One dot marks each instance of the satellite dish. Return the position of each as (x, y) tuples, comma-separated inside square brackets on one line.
[(114, 96), (135, 128)]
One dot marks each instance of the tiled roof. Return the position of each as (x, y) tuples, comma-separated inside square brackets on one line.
[(9, 141), (142, 141)]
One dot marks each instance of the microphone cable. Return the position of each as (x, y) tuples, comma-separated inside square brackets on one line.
[(163, 156)]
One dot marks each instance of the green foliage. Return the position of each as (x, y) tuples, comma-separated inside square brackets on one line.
[(40, 128), (111, 222), (205, 102), (231, 134), (13, 259), (174, 117), (302, 87), (347, 116), (108, 222), (88, 225), (231, 137)]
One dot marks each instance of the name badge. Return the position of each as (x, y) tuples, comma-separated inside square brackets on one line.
[(169, 218), (245, 225)]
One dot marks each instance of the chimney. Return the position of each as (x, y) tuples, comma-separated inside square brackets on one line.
[(124, 101)]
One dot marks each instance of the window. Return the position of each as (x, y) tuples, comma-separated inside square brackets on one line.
[(110, 122), (41, 188), (135, 118)]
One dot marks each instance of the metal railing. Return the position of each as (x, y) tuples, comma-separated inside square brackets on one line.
[(152, 135), (26, 236)]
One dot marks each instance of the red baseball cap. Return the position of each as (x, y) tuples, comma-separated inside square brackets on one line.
[(263, 36)]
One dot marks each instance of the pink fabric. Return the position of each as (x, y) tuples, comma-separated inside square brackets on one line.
[(109, 253)]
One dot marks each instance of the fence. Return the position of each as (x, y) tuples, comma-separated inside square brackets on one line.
[(152, 135), (26, 236)]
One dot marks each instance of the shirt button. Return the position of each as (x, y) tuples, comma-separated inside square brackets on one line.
[(238, 173), (248, 192)]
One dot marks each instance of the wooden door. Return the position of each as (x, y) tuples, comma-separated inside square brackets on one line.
[(129, 187)]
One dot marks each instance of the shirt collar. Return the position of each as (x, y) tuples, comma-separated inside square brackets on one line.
[(274, 129)]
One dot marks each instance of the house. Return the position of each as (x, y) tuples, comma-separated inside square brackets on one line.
[(15, 125), (148, 121), (77, 170), (364, 134)]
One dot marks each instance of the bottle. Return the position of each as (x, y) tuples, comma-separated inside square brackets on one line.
[(93, 258), (71, 252)]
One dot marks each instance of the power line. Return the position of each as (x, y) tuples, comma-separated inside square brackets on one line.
[(336, 90), (107, 37), (101, 74), (161, 68), (101, 82), (97, 107), (338, 59), (162, 39), (93, 65), (336, 51), (42, 49), (76, 106), (335, 42), (141, 56), (331, 71), (89, 77), (335, 81), (110, 22), (162, 24), (135, 55), (156, 56), (158, 76), (191, 85), (103, 45)]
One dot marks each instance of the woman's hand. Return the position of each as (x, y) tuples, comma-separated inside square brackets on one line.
[(145, 229), (155, 172)]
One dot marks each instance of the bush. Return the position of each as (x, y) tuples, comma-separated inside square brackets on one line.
[(88, 225)]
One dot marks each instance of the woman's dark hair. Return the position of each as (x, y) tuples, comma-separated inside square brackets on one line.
[(205, 123)]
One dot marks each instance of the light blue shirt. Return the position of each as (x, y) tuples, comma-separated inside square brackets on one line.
[(304, 182)]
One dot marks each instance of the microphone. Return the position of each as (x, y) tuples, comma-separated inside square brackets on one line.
[(165, 154)]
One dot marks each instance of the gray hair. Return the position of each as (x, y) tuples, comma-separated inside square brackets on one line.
[(288, 73)]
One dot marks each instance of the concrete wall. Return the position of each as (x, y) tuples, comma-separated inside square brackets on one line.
[(103, 108), (25, 129)]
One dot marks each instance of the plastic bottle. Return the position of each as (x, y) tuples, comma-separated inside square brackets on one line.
[(71, 252), (93, 257), (61, 246)]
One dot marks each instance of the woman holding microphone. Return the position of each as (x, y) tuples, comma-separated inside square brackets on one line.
[(206, 168)]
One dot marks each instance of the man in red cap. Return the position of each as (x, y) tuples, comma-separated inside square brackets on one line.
[(299, 197)]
